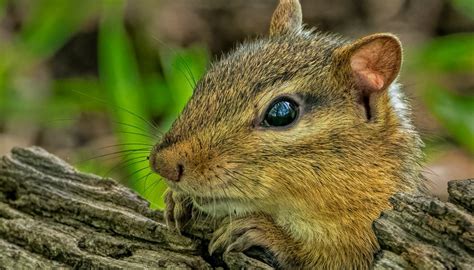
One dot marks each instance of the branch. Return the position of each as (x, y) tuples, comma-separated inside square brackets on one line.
[(52, 216)]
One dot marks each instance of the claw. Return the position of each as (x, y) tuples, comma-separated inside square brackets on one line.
[(245, 232), (236, 236), (212, 248), (242, 243), (169, 212), (178, 211), (182, 213), (218, 240)]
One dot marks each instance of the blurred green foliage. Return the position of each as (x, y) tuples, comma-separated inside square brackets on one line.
[(51, 22), (129, 100), (465, 6), (130, 94), (436, 64), (43, 32)]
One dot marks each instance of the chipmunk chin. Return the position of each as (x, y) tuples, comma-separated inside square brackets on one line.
[(220, 207)]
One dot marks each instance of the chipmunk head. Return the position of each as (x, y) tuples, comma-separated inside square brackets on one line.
[(296, 118)]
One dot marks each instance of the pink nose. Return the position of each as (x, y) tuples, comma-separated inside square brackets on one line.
[(172, 171)]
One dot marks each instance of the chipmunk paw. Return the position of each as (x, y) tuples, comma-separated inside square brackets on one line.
[(178, 211), (241, 234)]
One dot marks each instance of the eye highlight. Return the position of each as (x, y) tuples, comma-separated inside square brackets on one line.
[(282, 112)]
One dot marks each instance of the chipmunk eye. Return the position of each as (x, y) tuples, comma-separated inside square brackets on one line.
[(281, 112)]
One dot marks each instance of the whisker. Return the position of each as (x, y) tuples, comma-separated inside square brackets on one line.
[(188, 80), (137, 133), (144, 182), (125, 144), (115, 122), (143, 177), (154, 184), (129, 151), (124, 164), (150, 124), (190, 73), (111, 157), (226, 195), (133, 126), (230, 173), (127, 178)]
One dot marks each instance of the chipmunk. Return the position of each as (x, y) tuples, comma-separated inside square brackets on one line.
[(299, 139)]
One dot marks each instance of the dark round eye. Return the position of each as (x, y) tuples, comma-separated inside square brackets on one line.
[(281, 113)]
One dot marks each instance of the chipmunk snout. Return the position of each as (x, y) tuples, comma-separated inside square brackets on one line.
[(186, 162), (168, 168)]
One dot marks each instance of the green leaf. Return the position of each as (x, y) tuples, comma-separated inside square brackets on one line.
[(51, 23), (453, 53), (455, 113), (182, 69), (466, 7), (125, 91), (159, 95), (435, 65), (3, 4)]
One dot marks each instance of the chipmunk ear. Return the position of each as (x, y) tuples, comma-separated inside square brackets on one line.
[(286, 18), (374, 61)]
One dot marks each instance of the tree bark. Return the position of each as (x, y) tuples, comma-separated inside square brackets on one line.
[(53, 216)]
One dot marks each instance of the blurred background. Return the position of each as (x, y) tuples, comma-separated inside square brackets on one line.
[(96, 82)]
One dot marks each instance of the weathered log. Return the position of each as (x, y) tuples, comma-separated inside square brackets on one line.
[(425, 233), (52, 216)]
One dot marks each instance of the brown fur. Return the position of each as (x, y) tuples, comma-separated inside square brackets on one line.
[(308, 192)]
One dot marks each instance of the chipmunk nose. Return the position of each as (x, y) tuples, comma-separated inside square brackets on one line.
[(167, 168)]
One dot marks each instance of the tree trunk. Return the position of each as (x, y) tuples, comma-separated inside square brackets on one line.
[(52, 216)]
